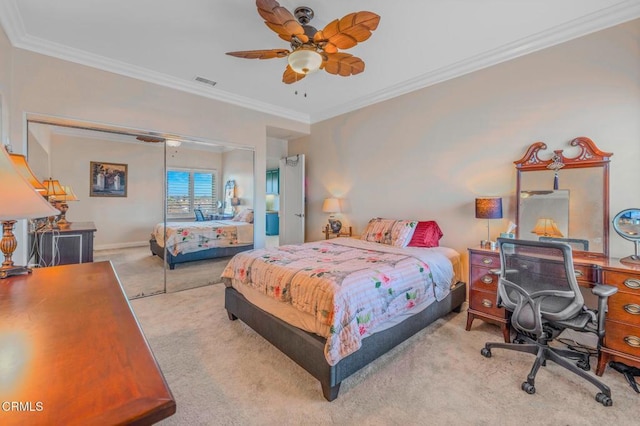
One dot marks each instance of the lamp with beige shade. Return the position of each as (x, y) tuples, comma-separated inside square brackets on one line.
[(547, 228), (20, 201), (62, 205), (331, 206)]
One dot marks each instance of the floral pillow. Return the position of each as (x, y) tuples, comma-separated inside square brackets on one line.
[(392, 232), (245, 215), (402, 231), (378, 231)]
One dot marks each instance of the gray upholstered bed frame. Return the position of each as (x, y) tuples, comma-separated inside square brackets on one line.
[(210, 253), (307, 349)]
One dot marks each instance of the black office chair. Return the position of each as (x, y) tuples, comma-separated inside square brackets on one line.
[(538, 286)]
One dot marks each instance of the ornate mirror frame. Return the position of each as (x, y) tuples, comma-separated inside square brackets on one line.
[(589, 156)]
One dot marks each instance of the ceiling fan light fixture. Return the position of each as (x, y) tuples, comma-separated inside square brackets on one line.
[(305, 61)]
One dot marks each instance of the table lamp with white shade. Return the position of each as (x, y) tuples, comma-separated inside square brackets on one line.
[(62, 205), (20, 200), (331, 206)]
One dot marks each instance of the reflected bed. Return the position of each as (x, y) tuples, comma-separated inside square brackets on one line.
[(200, 240)]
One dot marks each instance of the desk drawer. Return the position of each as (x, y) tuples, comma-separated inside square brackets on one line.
[(625, 282), (487, 260), (586, 274), (622, 337), (482, 279), (624, 308), (485, 301)]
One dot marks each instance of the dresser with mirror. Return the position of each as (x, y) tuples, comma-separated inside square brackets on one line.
[(566, 198)]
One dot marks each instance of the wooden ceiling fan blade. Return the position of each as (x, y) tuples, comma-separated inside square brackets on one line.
[(290, 76), (280, 20), (343, 64), (347, 32), (260, 54)]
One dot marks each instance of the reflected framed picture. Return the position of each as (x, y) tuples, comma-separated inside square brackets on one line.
[(107, 179)]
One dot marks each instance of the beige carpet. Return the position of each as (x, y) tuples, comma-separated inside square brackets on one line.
[(143, 274), (223, 373)]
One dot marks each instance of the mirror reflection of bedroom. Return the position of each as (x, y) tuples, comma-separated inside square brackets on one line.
[(119, 178)]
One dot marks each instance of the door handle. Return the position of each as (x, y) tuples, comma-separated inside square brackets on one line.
[(299, 214)]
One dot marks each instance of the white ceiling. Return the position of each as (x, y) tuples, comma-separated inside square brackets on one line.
[(418, 43)]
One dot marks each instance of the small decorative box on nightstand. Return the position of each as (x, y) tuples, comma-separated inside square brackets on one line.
[(328, 234)]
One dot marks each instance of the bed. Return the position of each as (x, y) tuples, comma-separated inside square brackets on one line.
[(200, 240), (399, 291)]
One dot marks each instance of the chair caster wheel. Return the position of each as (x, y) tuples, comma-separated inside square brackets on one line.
[(528, 388), (604, 399), (486, 352), (584, 364)]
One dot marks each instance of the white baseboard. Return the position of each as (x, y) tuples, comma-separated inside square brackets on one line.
[(121, 245)]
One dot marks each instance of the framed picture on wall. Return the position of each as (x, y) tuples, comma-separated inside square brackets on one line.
[(107, 179)]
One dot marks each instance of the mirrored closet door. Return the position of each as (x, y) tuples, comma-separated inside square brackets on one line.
[(120, 189)]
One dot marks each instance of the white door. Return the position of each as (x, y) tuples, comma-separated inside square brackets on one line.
[(292, 200)]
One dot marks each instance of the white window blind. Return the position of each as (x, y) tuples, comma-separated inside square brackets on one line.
[(191, 189)]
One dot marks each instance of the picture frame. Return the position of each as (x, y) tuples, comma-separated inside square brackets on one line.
[(107, 179)]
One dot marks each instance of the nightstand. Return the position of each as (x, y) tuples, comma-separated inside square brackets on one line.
[(328, 234), (483, 290), (64, 246)]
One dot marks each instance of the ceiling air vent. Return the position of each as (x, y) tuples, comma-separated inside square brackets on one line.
[(205, 81)]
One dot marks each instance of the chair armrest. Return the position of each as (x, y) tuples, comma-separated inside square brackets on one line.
[(603, 290)]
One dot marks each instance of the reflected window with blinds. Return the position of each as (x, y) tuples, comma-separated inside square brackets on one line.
[(191, 189)]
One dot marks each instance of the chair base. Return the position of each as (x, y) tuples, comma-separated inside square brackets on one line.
[(544, 352)]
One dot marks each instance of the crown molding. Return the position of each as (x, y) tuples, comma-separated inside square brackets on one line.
[(609, 17), (605, 18), (14, 28)]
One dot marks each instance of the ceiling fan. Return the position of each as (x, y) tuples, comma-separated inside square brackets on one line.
[(312, 49)]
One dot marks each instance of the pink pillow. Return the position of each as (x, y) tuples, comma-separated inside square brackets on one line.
[(427, 234)]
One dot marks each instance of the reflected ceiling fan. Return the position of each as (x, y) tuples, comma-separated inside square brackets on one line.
[(312, 49)]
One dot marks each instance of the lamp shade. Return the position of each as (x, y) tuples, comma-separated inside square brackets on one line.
[(489, 208), (546, 227), (19, 199), (305, 61), (20, 163), (53, 188), (69, 195), (331, 205)]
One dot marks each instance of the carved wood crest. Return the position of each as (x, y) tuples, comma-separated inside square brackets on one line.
[(590, 155)]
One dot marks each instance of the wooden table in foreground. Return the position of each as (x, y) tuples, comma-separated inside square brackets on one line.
[(72, 352)]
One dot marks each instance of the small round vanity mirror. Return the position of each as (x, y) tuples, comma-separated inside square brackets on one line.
[(627, 225)]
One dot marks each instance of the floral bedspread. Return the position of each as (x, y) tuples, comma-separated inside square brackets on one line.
[(349, 285), (188, 237)]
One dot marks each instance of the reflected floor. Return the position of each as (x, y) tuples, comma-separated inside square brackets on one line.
[(142, 273)]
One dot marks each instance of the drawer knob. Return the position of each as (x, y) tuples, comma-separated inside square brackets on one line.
[(487, 303), (631, 283), (579, 274), (487, 260), (487, 279), (632, 341), (632, 309)]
